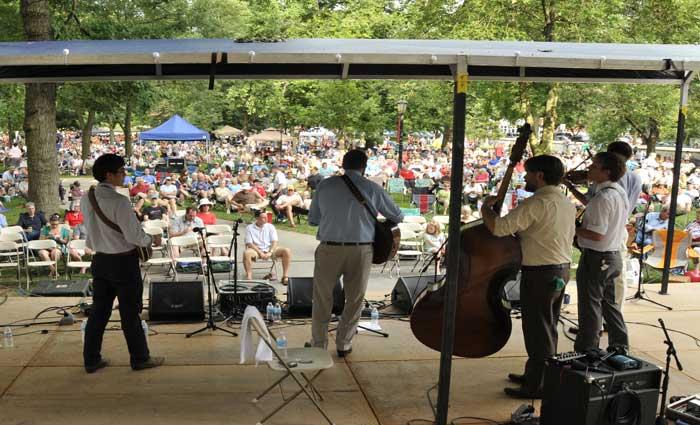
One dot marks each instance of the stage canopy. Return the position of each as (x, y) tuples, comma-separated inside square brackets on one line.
[(92, 60), (175, 129)]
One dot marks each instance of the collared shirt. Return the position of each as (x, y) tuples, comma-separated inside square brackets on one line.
[(181, 223), (630, 182), (36, 222), (655, 222), (262, 237), (606, 214), (546, 225), (118, 209), (341, 217)]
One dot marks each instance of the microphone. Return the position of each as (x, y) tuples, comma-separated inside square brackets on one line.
[(588, 151), (198, 229)]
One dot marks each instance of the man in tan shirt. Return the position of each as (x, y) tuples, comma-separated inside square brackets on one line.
[(545, 223)]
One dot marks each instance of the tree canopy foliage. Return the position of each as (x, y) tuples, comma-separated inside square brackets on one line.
[(364, 109)]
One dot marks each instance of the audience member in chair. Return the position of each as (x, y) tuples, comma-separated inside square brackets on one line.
[(655, 221), (433, 239), (285, 203), (73, 215), (204, 213), (184, 226), (79, 233), (61, 235), (31, 221), (248, 199), (261, 242)]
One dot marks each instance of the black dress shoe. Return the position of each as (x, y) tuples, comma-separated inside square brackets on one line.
[(148, 364), (518, 379), (342, 353), (521, 393), (94, 368)]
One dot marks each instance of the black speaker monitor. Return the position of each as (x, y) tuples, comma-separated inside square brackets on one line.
[(300, 292), (62, 288), (407, 289), (176, 301)]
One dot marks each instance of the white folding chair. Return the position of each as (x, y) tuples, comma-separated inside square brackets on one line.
[(156, 230), (308, 360), (414, 219), (186, 242), (220, 243), (166, 258), (411, 245), (31, 259), (218, 229), (78, 244), (10, 255)]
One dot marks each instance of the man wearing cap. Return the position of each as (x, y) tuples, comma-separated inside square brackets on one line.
[(261, 242), (115, 267), (346, 232), (31, 221), (247, 199), (286, 202)]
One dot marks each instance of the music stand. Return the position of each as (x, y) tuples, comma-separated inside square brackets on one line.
[(640, 295), (210, 279)]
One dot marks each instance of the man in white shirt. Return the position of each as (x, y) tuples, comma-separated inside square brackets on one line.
[(285, 204), (184, 226), (115, 266), (600, 236), (261, 242), (168, 191)]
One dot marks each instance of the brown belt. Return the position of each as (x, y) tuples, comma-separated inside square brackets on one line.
[(133, 252)]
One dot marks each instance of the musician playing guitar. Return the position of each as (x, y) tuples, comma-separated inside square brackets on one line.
[(346, 229), (545, 224)]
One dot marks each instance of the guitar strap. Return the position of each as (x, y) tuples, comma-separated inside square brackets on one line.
[(98, 211), (356, 192)]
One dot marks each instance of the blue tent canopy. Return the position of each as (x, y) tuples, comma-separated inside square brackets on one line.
[(176, 128)]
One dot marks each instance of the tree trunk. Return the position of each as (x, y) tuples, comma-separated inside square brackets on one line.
[(111, 132), (127, 128), (550, 120), (446, 137), (652, 137), (86, 139), (40, 116), (245, 123), (526, 111)]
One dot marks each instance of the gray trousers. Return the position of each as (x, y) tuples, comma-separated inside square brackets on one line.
[(331, 262), (540, 308), (595, 285)]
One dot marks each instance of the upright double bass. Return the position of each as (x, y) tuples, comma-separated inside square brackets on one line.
[(487, 262)]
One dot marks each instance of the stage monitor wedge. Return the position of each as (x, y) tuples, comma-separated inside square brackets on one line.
[(407, 290), (300, 292)]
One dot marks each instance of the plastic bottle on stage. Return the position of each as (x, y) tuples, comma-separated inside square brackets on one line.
[(375, 316), (8, 339), (282, 344), (144, 325), (270, 312), (83, 326), (278, 312)]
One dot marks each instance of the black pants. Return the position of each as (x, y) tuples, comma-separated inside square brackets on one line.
[(540, 306), (116, 277)]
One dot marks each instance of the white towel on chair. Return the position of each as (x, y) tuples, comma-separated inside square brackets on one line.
[(248, 351)]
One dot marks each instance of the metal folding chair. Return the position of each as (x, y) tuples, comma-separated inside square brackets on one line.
[(80, 264), (10, 256), (308, 360)]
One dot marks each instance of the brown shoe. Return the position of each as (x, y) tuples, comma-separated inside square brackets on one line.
[(148, 364)]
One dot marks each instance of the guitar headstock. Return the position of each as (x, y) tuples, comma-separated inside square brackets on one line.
[(516, 153)]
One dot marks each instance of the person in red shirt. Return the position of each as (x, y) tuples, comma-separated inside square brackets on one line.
[(204, 212), (140, 187), (258, 187), (73, 215)]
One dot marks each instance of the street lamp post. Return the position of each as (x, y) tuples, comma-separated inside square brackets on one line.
[(401, 108)]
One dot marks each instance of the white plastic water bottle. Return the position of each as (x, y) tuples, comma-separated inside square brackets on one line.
[(144, 325), (375, 316), (83, 326), (278, 312), (270, 312), (282, 344), (8, 339)]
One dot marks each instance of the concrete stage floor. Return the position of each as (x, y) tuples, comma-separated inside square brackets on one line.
[(384, 380)]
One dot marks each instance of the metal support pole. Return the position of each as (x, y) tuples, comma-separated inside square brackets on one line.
[(680, 138), (453, 265), (399, 130)]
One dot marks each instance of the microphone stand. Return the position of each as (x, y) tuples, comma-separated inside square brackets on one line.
[(640, 295), (210, 278), (233, 248), (671, 351)]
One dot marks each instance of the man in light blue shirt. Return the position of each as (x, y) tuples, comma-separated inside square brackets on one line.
[(346, 232), (655, 221)]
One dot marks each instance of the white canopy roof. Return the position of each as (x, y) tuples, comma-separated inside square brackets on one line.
[(84, 60)]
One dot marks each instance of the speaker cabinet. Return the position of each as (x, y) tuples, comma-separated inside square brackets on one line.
[(583, 397), (407, 289), (176, 301), (300, 291)]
